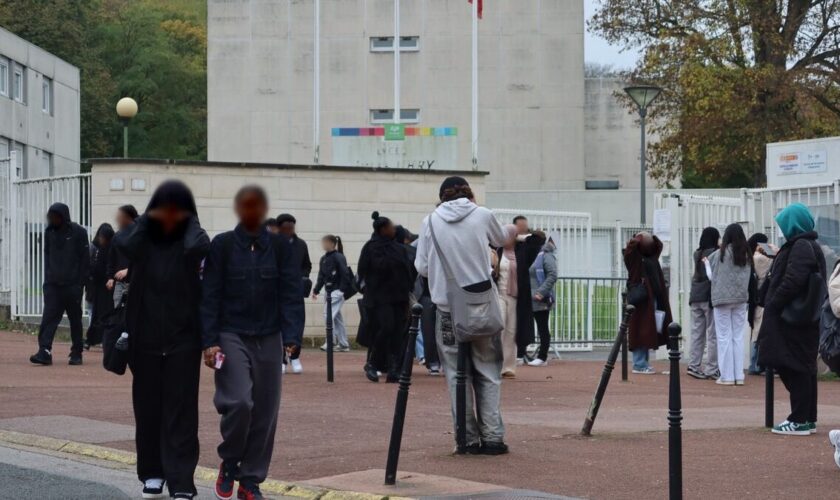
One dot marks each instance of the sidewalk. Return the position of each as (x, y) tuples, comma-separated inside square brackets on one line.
[(329, 431)]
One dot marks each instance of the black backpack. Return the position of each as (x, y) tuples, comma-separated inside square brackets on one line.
[(349, 287)]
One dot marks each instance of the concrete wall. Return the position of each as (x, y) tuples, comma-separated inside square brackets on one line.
[(260, 81), (38, 132), (325, 200)]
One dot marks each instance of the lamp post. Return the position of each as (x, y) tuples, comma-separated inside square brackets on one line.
[(643, 95), (126, 110)]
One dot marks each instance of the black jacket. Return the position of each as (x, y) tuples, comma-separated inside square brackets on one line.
[(117, 260), (163, 306), (526, 253), (781, 345), (251, 287), (385, 271), (701, 287), (66, 251), (331, 269)]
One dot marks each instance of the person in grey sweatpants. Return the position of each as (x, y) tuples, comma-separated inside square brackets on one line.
[(703, 337)]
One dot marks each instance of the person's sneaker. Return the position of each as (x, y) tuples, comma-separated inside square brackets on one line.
[(345, 348), (493, 448), (713, 375), (812, 427), (249, 491), (644, 371), (224, 481), (739, 382), (297, 367), (720, 381), (434, 370), (324, 347), (153, 488), (834, 439), (75, 359), (188, 496), (692, 372), (283, 369), (42, 357), (508, 374), (371, 373), (520, 361), (537, 362), (788, 428), (470, 449)]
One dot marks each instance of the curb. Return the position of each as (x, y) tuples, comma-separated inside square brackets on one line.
[(203, 474)]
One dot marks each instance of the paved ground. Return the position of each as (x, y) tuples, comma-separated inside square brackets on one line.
[(330, 430)]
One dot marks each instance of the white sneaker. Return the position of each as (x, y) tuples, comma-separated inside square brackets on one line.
[(538, 362), (720, 381), (153, 488), (296, 366), (834, 439), (644, 371)]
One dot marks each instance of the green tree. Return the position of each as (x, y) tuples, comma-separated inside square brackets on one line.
[(736, 75)]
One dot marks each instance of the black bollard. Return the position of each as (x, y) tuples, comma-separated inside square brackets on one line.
[(624, 355), (402, 398), (768, 396), (607, 373), (674, 415), (328, 296), (461, 398)]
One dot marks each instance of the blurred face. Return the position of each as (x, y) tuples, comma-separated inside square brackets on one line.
[(103, 241), (522, 226), (122, 220), (54, 219), (273, 229), (287, 229), (388, 231), (251, 210), (327, 245), (170, 216)]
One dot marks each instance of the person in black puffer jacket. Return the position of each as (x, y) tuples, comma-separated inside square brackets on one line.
[(332, 271)]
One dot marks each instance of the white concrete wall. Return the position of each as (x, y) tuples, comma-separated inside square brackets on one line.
[(260, 79), (57, 133), (325, 200)]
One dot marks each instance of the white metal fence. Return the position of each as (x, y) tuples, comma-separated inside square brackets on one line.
[(5, 225)]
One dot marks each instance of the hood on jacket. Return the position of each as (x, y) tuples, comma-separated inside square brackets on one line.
[(455, 210), (551, 242), (173, 192), (794, 220), (62, 211)]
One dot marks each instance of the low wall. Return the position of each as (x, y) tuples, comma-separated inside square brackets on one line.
[(325, 200)]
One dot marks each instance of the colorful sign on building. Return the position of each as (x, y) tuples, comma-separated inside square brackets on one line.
[(396, 146)]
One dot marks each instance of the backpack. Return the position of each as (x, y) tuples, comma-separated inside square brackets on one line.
[(349, 286), (830, 337)]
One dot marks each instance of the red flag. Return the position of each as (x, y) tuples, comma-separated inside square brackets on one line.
[(480, 7)]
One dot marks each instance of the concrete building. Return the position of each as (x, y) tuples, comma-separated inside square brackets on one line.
[(39, 110), (531, 95)]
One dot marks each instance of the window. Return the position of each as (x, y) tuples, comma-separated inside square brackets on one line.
[(46, 95), (4, 77), (46, 169), (386, 43), (387, 116), (19, 84)]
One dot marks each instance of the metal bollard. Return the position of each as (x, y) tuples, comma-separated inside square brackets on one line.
[(461, 398), (402, 398), (330, 342), (768, 396), (624, 356), (607, 373), (674, 415)]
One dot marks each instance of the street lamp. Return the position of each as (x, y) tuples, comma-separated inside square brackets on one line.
[(643, 95), (126, 110)]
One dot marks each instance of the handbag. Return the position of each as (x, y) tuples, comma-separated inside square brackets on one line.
[(475, 311), (806, 309), (830, 337), (637, 294)]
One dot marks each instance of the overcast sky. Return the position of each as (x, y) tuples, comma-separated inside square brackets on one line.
[(599, 51)]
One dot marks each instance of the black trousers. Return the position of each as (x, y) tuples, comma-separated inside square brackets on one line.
[(165, 397), (541, 317), (427, 326), (802, 387), (57, 301), (388, 325)]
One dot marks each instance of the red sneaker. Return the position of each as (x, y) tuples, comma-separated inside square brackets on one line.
[(224, 483), (249, 491)]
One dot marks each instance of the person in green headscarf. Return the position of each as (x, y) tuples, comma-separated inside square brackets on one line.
[(790, 347)]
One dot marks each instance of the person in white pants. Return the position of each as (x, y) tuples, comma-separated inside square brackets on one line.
[(333, 270), (730, 269)]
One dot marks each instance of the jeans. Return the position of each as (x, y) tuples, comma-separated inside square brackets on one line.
[(640, 358), (730, 322), (419, 351), (339, 329)]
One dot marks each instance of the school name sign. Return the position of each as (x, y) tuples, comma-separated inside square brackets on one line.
[(396, 146)]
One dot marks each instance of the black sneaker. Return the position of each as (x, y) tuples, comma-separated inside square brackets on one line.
[(224, 482), (42, 357), (188, 496), (153, 488), (371, 373), (470, 449), (696, 374), (249, 491), (75, 359), (493, 448)]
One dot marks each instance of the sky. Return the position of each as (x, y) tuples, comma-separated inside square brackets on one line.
[(597, 50)]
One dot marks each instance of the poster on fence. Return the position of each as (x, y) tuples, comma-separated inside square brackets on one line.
[(662, 224)]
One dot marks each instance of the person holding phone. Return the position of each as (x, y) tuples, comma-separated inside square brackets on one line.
[(252, 299)]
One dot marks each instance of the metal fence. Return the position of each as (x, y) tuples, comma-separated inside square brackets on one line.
[(5, 224), (587, 312)]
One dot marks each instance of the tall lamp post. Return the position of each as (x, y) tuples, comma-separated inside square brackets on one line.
[(643, 95), (126, 110)]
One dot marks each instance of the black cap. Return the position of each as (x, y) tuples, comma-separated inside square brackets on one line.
[(451, 182)]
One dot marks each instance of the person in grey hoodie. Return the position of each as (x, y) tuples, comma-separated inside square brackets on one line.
[(463, 230), (543, 274), (702, 318), (729, 269)]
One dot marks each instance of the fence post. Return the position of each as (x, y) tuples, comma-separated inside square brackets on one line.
[(674, 415), (330, 368), (461, 398), (768, 396), (402, 398), (605, 375), (14, 232)]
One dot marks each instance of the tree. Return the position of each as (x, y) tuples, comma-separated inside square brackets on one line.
[(736, 75)]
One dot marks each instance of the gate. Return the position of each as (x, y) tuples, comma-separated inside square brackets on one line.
[(28, 204)]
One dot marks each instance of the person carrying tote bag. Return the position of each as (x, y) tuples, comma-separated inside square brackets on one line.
[(452, 254)]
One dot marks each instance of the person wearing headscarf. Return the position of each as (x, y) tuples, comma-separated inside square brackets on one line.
[(165, 248), (702, 319), (386, 272), (761, 266), (98, 292), (543, 273), (66, 271), (506, 281), (792, 349)]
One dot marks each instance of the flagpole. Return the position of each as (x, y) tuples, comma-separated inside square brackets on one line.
[(475, 84), (397, 44), (316, 129)]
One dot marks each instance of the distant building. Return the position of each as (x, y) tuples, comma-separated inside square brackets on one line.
[(39, 110)]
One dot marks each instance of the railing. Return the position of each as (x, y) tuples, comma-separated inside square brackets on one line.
[(587, 312)]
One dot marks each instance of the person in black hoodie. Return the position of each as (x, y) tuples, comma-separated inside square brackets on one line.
[(100, 296), (66, 270), (332, 271), (117, 266), (287, 225), (251, 305), (386, 274), (165, 248)]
